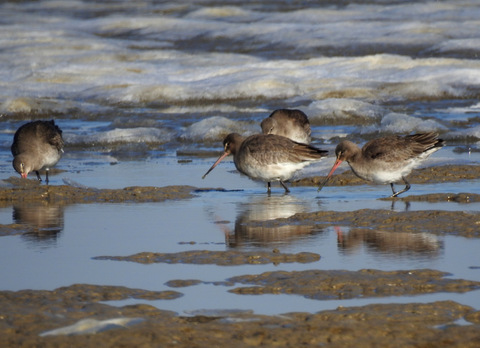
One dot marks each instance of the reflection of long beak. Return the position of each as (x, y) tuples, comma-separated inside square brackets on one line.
[(225, 154), (335, 166)]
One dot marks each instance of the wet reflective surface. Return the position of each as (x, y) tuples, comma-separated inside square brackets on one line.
[(59, 243), (44, 222)]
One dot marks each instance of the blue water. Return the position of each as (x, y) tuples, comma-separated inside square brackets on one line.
[(208, 222)]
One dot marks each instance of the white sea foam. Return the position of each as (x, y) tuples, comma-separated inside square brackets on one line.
[(403, 124), (473, 132), (343, 63), (466, 110), (63, 58), (471, 44), (118, 135), (343, 109), (31, 104), (212, 109), (379, 77), (230, 12), (216, 128)]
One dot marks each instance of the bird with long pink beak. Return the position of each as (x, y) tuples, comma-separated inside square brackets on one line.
[(268, 157), (387, 160)]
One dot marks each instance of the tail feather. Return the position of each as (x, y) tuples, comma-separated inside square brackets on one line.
[(309, 153), (428, 140)]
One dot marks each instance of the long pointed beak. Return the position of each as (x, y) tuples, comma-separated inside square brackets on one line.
[(225, 154), (335, 166)]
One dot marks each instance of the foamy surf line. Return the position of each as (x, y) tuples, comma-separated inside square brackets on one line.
[(127, 135), (378, 77), (212, 70), (405, 51)]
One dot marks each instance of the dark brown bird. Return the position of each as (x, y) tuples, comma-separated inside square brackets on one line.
[(268, 157), (37, 145), (388, 159), (292, 124)]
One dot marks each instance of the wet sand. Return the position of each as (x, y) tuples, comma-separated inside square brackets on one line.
[(447, 173), (27, 316)]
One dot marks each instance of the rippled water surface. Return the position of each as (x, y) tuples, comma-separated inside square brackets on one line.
[(146, 91)]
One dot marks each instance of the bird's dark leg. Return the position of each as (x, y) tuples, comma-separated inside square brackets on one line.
[(407, 187), (269, 189), (285, 187), (46, 176), (38, 175)]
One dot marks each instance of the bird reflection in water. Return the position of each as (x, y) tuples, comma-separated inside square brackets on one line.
[(389, 242), (43, 221), (254, 225)]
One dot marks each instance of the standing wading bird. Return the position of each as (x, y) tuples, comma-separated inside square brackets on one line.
[(292, 124), (388, 159), (268, 157), (37, 145)]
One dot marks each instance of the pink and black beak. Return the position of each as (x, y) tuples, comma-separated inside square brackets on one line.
[(225, 154), (24, 175), (335, 166)]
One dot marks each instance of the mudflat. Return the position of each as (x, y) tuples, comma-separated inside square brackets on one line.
[(80, 316)]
